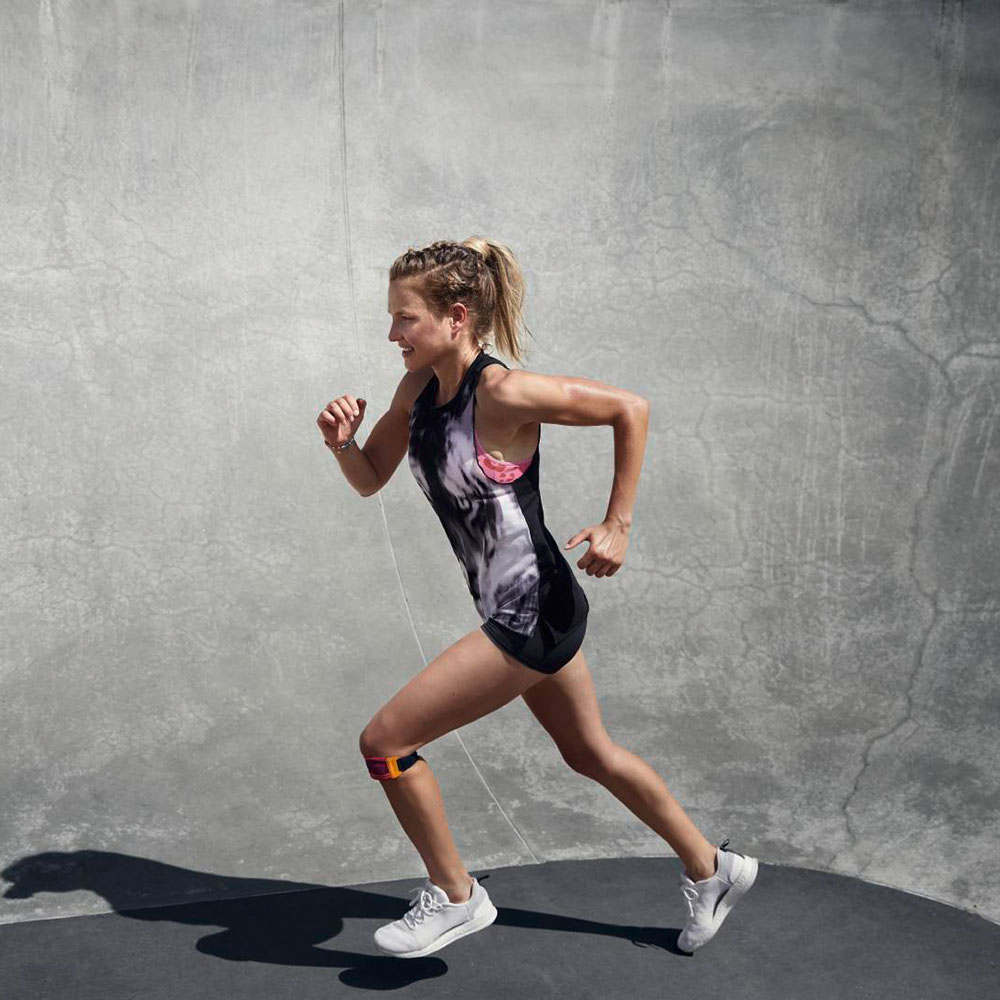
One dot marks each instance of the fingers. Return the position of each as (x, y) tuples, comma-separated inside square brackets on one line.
[(352, 403), (601, 568), (343, 414), (347, 405), (602, 558)]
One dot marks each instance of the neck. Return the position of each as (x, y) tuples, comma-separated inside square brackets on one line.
[(450, 378)]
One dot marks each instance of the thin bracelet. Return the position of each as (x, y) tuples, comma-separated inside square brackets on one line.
[(337, 450)]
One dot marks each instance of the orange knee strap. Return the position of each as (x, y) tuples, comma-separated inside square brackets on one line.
[(384, 768)]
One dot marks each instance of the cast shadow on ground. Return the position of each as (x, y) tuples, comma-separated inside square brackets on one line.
[(272, 920)]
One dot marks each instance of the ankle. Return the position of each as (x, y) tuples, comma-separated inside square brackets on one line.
[(460, 893), (703, 868)]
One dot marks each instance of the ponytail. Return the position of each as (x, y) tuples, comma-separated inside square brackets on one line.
[(481, 273)]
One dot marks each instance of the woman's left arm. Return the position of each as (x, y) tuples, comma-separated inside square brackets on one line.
[(522, 397)]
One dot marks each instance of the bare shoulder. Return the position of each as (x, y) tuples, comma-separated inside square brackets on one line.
[(492, 375), (500, 384), (493, 393), (519, 396)]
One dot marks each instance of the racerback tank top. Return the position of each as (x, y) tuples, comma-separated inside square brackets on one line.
[(492, 514)]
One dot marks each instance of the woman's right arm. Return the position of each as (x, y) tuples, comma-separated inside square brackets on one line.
[(368, 469)]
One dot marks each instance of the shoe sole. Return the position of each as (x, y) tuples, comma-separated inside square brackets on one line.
[(485, 916), (739, 889)]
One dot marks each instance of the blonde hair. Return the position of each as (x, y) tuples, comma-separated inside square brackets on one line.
[(480, 273)]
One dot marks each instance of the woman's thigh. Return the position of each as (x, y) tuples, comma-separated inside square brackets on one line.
[(466, 681), (565, 703)]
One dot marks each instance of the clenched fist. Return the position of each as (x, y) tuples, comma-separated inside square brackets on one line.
[(340, 419)]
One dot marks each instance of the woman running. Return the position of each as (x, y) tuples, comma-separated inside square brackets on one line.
[(470, 427)]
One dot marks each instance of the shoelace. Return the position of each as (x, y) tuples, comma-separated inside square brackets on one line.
[(422, 903), (690, 894)]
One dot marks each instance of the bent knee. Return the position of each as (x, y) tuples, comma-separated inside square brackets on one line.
[(377, 740), (590, 760), (371, 739)]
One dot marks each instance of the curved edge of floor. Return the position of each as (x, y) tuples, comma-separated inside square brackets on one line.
[(583, 928)]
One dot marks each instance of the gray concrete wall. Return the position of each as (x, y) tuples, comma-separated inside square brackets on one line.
[(778, 221)]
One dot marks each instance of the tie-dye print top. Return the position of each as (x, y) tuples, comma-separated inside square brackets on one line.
[(490, 510)]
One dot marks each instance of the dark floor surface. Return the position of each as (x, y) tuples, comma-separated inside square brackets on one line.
[(604, 929)]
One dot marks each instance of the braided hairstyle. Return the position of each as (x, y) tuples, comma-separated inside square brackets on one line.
[(480, 273)]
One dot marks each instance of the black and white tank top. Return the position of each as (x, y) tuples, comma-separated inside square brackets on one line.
[(492, 514)]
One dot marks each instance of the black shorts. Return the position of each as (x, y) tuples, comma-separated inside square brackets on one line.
[(555, 639)]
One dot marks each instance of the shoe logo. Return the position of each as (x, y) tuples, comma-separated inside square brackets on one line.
[(719, 900)]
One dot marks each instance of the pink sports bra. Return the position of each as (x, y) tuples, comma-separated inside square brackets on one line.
[(498, 471)]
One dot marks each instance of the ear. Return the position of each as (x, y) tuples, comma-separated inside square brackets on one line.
[(459, 314)]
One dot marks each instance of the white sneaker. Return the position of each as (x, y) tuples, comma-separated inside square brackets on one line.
[(433, 921), (710, 900)]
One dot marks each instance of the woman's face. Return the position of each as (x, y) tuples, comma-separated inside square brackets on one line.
[(415, 326)]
